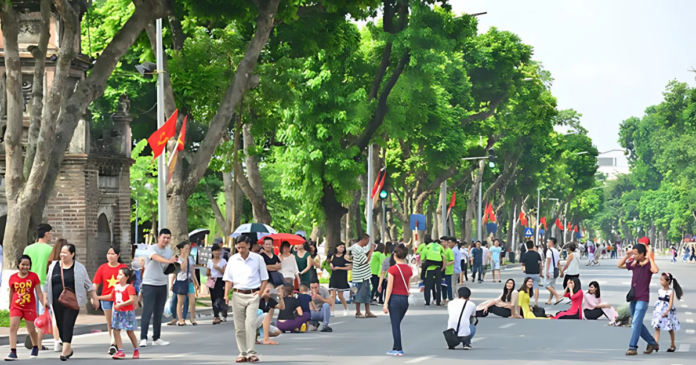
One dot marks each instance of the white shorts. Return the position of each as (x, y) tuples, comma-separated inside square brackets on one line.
[(591, 256)]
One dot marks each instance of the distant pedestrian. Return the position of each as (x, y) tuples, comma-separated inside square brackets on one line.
[(124, 298), (456, 280), (665, 313), (476, 261), (22, 287), (215, 272), (531, 265), (643, 267), (338, 282), (246, 275), (186, 284), (590, 255), (552, 269), (40, 253), (396, 296), (496, 252), (464, 250), (361, 253)]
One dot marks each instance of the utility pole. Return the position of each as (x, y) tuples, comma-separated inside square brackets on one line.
[(384, 223), (538, 213), (370, 180), (161, 168), (479, 229), (443, 206)]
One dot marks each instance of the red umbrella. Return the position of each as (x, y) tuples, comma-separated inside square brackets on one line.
[(278, 238)]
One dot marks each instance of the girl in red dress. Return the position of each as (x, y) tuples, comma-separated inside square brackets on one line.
[(575, 294)]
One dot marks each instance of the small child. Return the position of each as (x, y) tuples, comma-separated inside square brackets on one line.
[(306, 304), (23, 305), (124, 299), (665, 314)]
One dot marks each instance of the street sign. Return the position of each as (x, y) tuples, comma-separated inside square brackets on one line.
[(418, 219), (528, 232)]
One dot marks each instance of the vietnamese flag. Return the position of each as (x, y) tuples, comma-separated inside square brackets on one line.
[(542, 222), (451, 204), (378, 183), (559, 224), (179, 147), (158, 140), (489, 216), (575, 229), (569, 226), (523, 219)]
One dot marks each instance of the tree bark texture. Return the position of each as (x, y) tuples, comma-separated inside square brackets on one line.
[(472, 206)]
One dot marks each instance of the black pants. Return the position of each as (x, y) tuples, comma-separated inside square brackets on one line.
[(465, 269), (154, 299), (375, 283), (380, 296), (593, 313), (427, 264), (498, 311), (218, 292), (65, 320), (433, 282)]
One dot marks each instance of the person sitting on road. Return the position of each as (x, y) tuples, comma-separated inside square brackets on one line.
[(575, 294), (322, 299), (502, 306), (268, 303), (523, 309), (464, 309), (291, 318), (594, 307)]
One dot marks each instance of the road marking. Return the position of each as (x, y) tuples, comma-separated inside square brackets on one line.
[(419, 359), (684, 347), (337, 323), (625, 283), (689, 320), (477, 339), (684, 306), (177, 355), (688, 313), (691, 332), (507, 325)]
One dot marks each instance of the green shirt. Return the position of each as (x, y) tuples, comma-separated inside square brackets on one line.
[(376, 263), (449, 257), (39, 253), (434, 252)]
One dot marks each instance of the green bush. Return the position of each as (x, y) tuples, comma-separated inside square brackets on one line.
[(5, 320)]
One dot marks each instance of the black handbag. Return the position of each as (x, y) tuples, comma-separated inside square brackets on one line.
[(452, 335), (276, 278), (556, 273), (539, 312)]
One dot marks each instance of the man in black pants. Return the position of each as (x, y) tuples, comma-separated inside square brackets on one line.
[(155, 289)]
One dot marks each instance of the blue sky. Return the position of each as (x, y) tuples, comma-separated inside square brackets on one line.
[(610, 59)]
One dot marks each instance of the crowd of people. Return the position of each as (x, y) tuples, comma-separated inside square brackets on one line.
[(255, 282)]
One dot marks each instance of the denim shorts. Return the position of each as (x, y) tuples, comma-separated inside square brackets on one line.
[(495, 265), (535, 280), (106, 305), (363, 295)]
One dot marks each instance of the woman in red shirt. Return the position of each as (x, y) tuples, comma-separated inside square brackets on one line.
[(576, 296), (396, 299), (107, 276)]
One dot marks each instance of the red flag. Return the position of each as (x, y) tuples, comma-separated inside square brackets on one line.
[(523, 219), (451, 204), (179, 147), (379, 187), (569, 225), (559, 224), (378, 183), (158, 140), (542, 222), (575, 229), (491, 214)]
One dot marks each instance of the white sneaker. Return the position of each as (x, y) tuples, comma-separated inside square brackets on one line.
[(143, 343), (58, 347), (345, 313), (159, 342), (333, 314)]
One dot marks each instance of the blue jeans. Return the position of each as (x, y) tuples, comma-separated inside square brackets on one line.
[(639, 330), (174, 302), (476, 267), (466, 340), (322, 315), (398, 305), (447, 294)]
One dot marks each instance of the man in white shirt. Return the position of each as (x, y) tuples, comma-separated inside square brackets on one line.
[(553, 261), (464, 309), (486, 258), (246, 275)]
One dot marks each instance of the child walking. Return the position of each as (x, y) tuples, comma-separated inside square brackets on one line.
[(665, 314), (123, 318), (23, 305)]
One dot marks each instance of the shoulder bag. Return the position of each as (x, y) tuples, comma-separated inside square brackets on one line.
[(411, 299), (555, 268), (451, 334), (67, 297), (181, 287)]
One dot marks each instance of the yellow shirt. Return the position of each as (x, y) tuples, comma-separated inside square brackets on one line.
[(523, 300)]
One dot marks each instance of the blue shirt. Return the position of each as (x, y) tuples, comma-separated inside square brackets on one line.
[(477, 254), (304, 300), (495, 253), (457, 261)]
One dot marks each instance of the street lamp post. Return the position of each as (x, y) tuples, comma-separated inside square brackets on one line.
[(480, 202), (161, 168)]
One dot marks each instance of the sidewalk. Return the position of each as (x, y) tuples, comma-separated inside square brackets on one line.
[(88, 323)]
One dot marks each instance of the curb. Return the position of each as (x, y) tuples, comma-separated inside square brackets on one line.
[(101, 327)]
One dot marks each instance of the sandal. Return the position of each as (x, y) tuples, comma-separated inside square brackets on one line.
[(358, 315), (241, 359), (194, 323), (370, 315), (253, 358), (672, 349), (181, 324), (217, 321)]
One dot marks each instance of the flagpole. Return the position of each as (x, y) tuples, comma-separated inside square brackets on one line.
[(370, 179), (161, 167)]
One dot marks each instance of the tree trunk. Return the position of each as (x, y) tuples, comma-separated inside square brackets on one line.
[(511, 223), (334, 211), (472, 205), (252, 186), (183, 184)]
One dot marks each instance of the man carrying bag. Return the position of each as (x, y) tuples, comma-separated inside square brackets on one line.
[(458, 309)]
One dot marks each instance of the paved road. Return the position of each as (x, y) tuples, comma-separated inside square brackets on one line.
[(365, 341)]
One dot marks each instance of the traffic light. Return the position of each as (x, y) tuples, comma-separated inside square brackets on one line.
[(383, 194), (491, 157)]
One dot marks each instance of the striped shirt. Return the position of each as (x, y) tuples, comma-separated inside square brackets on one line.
[(361, 265)]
